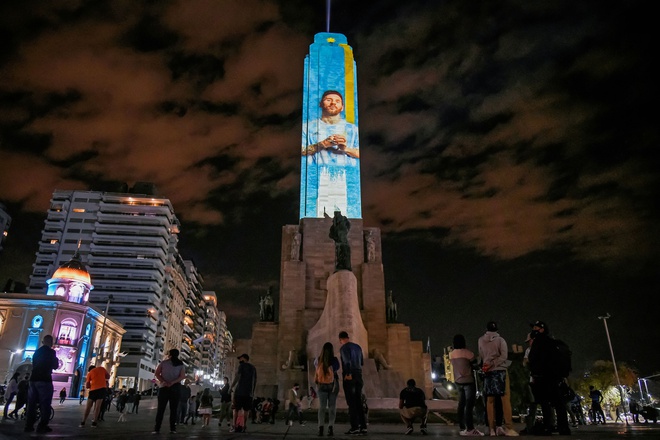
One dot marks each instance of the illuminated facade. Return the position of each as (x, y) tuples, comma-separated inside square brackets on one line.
[(330, 155), (83, 334)]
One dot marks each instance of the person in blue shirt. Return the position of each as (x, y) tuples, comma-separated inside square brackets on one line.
[(351, 365)]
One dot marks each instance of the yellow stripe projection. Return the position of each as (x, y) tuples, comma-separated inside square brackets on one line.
[(349, 75)]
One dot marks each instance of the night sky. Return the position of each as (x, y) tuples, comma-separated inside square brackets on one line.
[(509, 149)]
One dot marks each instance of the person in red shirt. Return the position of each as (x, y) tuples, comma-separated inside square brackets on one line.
[(97, 384)]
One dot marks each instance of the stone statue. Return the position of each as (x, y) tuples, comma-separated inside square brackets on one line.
[(381, 362), (262, 311), (339, 233), (371, 247), (269, 310), (293, 362), (391, 308), (295, 246)]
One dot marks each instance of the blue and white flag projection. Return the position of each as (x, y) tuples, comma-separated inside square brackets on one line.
[(330, 163)]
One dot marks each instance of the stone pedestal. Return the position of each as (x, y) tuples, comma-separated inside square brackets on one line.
[(341, 312)]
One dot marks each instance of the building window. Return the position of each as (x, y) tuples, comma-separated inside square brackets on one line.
[(68, 333)]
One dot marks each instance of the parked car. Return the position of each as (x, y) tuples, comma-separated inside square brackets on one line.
[(650, 413)]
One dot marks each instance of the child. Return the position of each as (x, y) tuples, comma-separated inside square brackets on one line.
[(62, 396), (206, 406), (192, 410)]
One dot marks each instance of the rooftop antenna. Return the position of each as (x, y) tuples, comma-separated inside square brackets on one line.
[(327, 15)]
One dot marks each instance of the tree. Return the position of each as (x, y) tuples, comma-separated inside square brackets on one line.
[(602, 377)]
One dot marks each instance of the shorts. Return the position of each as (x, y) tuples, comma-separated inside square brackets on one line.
[(203, 411), (243, 402), (97, 394)]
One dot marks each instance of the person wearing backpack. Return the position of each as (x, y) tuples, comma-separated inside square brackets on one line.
[(326, 379), (547, 365)]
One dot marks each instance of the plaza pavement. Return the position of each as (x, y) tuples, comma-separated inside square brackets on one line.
[(139, 426)]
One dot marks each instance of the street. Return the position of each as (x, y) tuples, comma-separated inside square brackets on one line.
[(68, 416)]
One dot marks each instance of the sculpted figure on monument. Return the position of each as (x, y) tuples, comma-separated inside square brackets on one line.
[(269, 311), (371, 247), (391, 308), (262, 311), (295, 246), (381, 362), (339, 233)]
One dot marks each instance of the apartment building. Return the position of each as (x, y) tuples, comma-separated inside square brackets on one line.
[(129, 243)]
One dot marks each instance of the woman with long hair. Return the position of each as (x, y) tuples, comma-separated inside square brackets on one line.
[(206, 406), (169, 373), (10, 392), (327, 381), (462, 361)]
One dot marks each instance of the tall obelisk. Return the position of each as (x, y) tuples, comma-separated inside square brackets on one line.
[(317, 297), (330, 154)]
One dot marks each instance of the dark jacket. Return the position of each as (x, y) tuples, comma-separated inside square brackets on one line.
[(541, 357), (44, 361)]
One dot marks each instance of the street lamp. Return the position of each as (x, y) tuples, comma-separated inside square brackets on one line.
[(10, 369), (616, 372), (105, 317)]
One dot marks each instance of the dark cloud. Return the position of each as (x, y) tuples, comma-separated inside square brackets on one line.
[(508, 154)]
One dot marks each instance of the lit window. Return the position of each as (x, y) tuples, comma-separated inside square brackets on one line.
[(54, 241), (78, 209)]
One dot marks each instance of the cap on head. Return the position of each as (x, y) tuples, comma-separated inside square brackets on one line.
[(343, 335), (332, 92), (244, 356), (491, 326), (539, 325)]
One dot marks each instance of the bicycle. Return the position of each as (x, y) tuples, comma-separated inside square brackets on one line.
[(24, 413)]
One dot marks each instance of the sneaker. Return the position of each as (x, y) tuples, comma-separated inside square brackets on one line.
[(173, 432), (82, 425), (473, 433), (302, 423), (409, 430), (462, 432), (493, 433), (331, 431), (510, 432), (500, 432), (363, 431), (290, 423), (423, 431), (155, 432), (94, 424), (320, 431), (352, 432)]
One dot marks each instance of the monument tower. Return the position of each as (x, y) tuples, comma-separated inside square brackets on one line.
[(319, 296)]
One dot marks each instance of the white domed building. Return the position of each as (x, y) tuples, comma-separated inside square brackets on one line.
[(83, 334)]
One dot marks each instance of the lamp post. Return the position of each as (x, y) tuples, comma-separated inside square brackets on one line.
[(105, 317), (616, 372), (11, 362)]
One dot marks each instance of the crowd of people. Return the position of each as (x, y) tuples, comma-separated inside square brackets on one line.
[(546, 358)]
